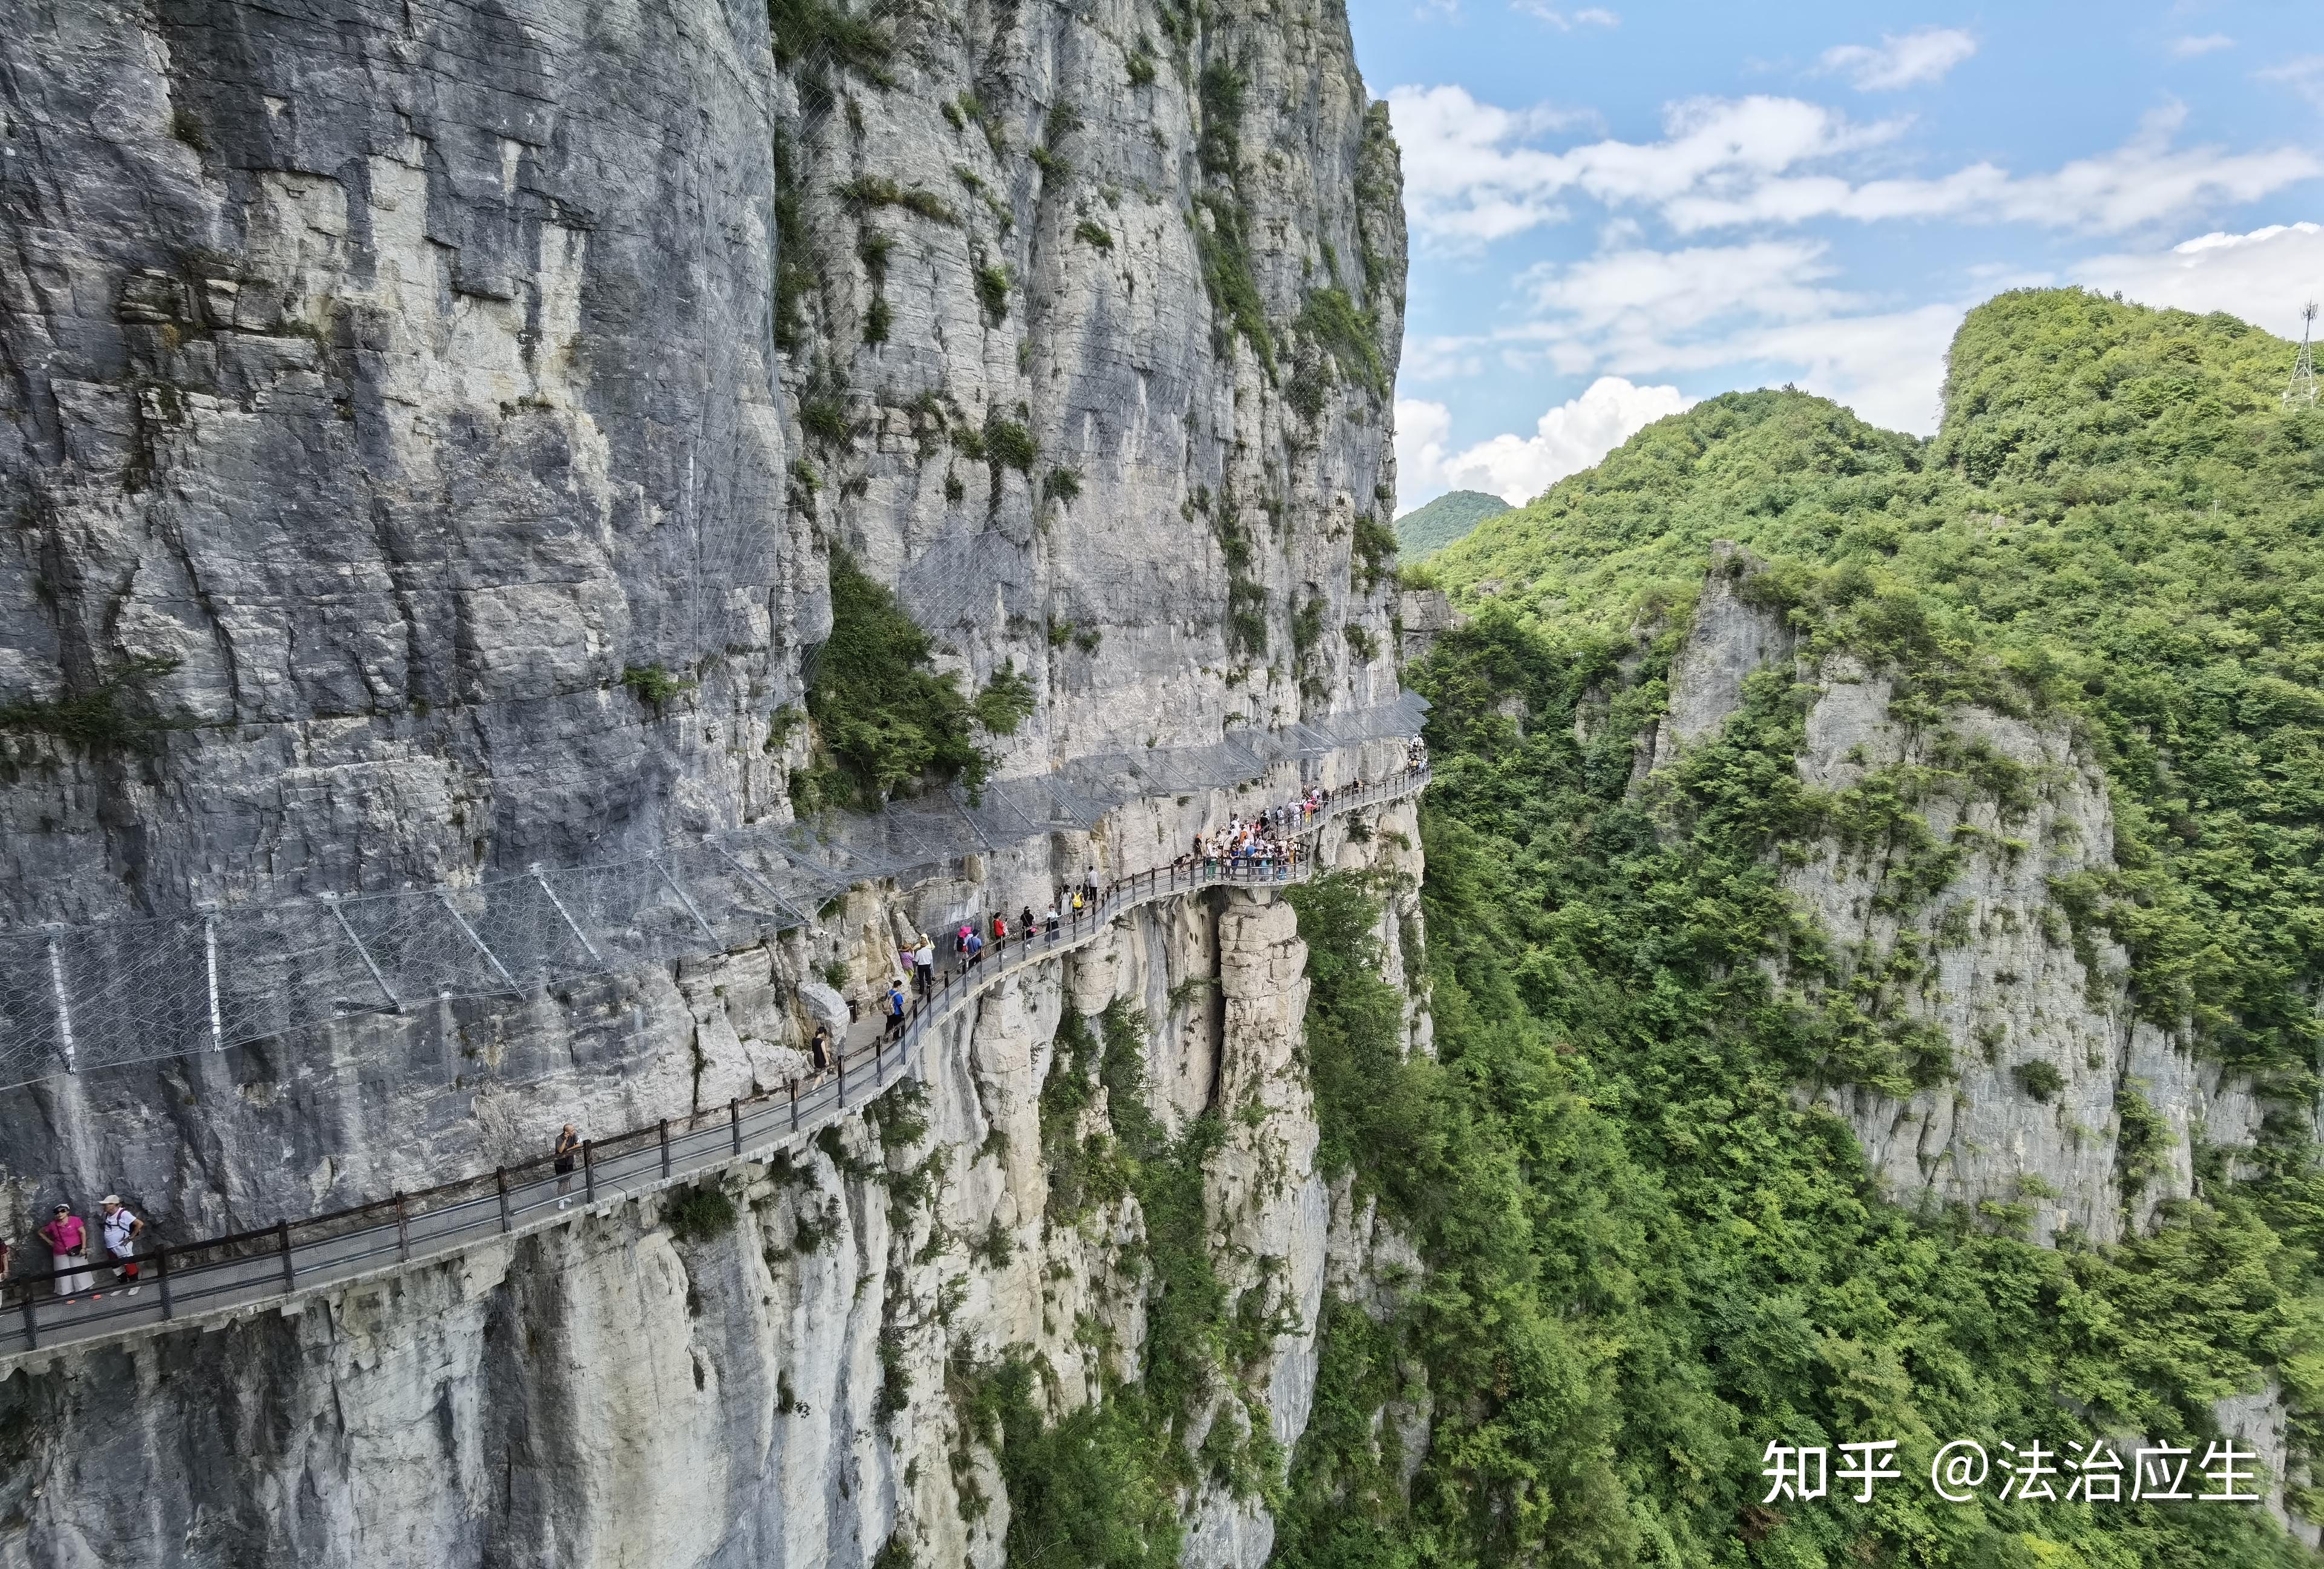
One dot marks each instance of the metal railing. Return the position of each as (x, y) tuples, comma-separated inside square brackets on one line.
[(272, 1264), (77, 998)]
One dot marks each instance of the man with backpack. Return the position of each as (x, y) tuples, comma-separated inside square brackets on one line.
[(895, 1009), (122, 1229)]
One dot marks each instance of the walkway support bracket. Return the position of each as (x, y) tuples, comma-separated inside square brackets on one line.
[(684, 898), (331, 901), (763, 886), (444, 898), (565, 915)]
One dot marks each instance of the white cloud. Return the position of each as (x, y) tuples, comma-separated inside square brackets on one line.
[(2188, 47), (1471, 175), (1422, 429), (1566, 440), (2304, 74), (1567, 20), (1888, 366), (1766, 309), (2263, 276), (1901, 59), (2145, 180), (1637, 288)]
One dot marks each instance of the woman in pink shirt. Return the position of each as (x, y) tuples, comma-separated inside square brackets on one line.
[(67, 1239)]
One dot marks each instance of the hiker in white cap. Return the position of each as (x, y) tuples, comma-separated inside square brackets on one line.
[(122, 1229)]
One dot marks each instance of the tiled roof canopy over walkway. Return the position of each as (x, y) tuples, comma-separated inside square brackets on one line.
[(223, 1276)]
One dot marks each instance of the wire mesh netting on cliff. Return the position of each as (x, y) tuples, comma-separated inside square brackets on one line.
[(75, 998)]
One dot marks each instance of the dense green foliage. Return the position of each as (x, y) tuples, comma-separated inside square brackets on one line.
[(1101, 1486), (1222, 239), (817, 32), (1648, 1258), (867, 191), (885, 722), (1351, 337), (1446, 521), (2116, 520), (697, 1214), (112, 713)]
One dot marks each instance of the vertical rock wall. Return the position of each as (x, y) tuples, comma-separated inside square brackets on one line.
[(785, 1391), (1952, 926), (393, 390), (394, 397)]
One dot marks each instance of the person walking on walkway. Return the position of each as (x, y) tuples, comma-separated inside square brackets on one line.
[(1049, 920), (1025, 925), (68, 1241), (924, 964), (895, 1009), (568, 1145), (976, 951), (819, 1050), (122, 1229)]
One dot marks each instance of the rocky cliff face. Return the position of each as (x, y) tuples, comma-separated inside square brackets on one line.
[(793, 1388), (394, 398), (1946, 926)]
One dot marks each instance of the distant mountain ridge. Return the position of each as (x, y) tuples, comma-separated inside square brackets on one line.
[(1427, 530)]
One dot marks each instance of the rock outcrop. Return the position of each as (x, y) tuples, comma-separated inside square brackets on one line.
[(2055, 1095)]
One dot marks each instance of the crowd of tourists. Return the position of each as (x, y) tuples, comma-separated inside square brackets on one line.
[(1266, 844)]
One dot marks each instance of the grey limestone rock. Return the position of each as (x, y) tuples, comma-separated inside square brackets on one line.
[(435, 425), (2048, 1054)]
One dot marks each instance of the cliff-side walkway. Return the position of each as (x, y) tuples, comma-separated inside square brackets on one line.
[(218, 1278)]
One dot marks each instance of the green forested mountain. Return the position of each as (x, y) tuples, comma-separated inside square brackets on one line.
[(1423, 531), (1649, 1257)]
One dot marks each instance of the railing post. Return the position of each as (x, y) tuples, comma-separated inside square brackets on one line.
[(31, 1324), (403, 1232), (500, 1185), (735, 1115), (840, 1056), (588, 1171), (795, 1105), (290, 1271), (162, 1274), (665, 1146)]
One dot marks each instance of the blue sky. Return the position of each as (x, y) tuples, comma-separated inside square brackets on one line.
[(1616, 210)]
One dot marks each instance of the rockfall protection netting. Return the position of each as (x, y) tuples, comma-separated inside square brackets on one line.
[(77, 998)]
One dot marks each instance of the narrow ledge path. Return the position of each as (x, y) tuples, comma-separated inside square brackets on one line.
[(281, 1269)]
